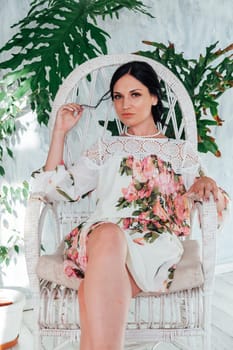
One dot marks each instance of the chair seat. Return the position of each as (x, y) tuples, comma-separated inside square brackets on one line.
[(188, 273)]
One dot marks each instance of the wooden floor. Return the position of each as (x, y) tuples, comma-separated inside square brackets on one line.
[(222, 322)]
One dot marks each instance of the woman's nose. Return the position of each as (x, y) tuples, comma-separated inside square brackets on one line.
[(126, 103)]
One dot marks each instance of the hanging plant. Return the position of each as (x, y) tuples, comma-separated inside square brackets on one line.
[(205, 79), (52, 39)]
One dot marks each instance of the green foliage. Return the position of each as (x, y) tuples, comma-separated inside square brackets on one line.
[(52, 39), (10, 195), (205, 78), (12, 247)]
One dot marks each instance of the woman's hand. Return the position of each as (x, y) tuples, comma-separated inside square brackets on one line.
[(202, 188), (68, 116)]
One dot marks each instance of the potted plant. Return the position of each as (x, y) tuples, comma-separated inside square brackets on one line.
[(11, 310)]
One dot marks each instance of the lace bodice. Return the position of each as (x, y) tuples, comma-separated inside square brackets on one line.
[(179, 153)]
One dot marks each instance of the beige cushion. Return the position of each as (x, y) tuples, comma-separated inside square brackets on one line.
[(188, 273), (50, 268)]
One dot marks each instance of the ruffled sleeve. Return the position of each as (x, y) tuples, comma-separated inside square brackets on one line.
[(192, 168), (224, 214), (66, 184)]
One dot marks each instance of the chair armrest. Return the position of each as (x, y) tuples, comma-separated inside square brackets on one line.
[(36, 210), (208, 220)]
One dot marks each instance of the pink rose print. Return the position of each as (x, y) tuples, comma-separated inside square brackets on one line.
[(159, 211), (130, 193), (139, 241), (155, 193)]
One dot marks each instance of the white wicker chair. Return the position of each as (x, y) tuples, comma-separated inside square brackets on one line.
[(175, 317)]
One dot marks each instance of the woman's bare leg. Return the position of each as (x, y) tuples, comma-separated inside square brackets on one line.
[(84, 339), (107, 290)]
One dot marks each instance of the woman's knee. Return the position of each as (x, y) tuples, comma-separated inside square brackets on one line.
[(107, 236)]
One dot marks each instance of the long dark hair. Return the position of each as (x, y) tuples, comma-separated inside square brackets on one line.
[(143, 72)]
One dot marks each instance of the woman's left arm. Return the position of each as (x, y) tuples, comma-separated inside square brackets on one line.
[(203, 187)]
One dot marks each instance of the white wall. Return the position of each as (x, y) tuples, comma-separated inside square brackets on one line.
[(191, 25)]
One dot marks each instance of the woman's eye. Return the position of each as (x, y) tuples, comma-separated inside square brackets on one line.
[(135, 94), (116, 97)]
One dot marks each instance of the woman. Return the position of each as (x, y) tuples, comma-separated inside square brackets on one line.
[(142, 181)]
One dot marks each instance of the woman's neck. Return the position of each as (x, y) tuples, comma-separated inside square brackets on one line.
[(129, 132)]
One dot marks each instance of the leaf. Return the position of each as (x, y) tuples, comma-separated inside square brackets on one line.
[(64, 194), (99, 36), (3, 254), (42, 248), (207, 122), (5, 190), (136, 212), (50, 41), (207, 146), (26, 185), (112, 126), (10, 153), (150, 237), (2, 171), (25, 193), (23, 89), (16, 248), (205, 79)]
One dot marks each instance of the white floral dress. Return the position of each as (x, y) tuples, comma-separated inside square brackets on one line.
[(140, 185)]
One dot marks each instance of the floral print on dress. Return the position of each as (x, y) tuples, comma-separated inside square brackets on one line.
[(75, 257), (156, 193), (73, 265)]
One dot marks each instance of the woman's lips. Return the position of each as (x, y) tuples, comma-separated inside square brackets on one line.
[(127, 114)]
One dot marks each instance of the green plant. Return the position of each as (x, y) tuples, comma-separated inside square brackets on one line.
[(52, 39), (205, 78), (12, 247), (9, 196)]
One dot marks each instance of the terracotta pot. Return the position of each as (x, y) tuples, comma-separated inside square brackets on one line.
[(11, 311)]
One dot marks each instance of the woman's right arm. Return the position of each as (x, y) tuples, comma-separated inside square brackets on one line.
[(67, 117)]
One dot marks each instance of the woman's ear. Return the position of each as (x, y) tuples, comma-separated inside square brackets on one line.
[(154, 100)]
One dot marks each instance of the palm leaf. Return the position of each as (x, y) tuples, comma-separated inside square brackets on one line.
[(53, 38), (49, 38), (205, 79)]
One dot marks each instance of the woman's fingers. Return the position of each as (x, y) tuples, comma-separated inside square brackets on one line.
[(74, 108), (67, 116), (203, 188)]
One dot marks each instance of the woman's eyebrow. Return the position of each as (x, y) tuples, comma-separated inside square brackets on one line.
[(133, 90)]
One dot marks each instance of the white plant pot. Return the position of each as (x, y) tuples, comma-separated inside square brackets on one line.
[(10, 317)]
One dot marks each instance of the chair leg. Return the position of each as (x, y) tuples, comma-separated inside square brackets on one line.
[(207, 322)]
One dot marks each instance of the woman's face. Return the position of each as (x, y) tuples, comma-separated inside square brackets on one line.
[(133, 101)]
